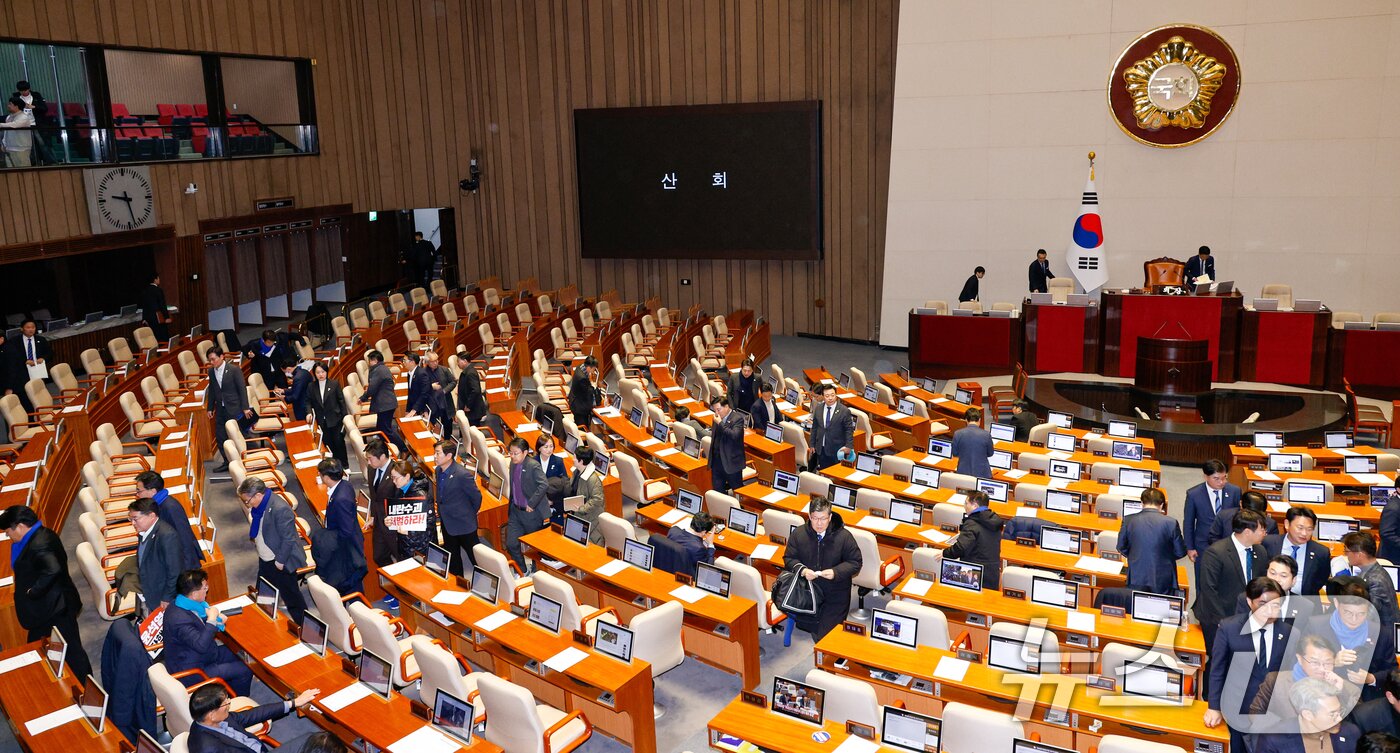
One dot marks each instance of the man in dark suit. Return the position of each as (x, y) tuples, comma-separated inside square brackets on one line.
[(226, 398), (1359, 549), (1040, 273), (1244, 635), (1226, 567), (1203, 502), (191, 634), (764, 411), (1200, 264), (1295, 609), (1381, 714), (154, 313), (1390, 527), (263, 357), (218, 730), (583, 394), (44, 117), (28, 349), (419, 261), (979, 539), (973, 446), (379, 393), (158, 559), (440, 401), (149, 485), (384, 542), (1296, 541), (45, 595), (698, 541), (970, 290), (459, 502), (833, 429), (470, 398), (1220, 527), (325, 399), (298, 381), (420, 391), (1152, 543), (1023, 419), (726, 448), (343, 517)]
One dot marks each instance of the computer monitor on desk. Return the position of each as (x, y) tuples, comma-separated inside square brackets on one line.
[(1158, 608), (1338, 440), (910, 732), (843, 497), (1063, 501), (1306, 492), (1354, 464), (1053, 592), (798, 700), (453, 716), (1011, 655), (1153, 681), (925, 476), (485, 585), (689, 502), (1060, 442), (1060, 420), (1003, 432), (892, 627), (1287, 462), (940, 448)]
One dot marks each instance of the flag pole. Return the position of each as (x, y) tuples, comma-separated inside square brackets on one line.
[(1091, 165)]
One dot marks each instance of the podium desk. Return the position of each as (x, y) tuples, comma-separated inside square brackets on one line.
[(771, 731), (1287, 347), (1366, 358), (682, 469), (616, 698), (32, 691), (766, 454), (720, 632), (1061, 338), (518, 425), (1129, 316), (951, 413), (953, 347), (1093, 713)]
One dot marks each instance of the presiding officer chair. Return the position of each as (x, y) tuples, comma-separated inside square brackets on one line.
[(1163, 271)]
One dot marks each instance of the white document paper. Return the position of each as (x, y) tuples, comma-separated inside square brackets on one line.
[(666, 452), (492, 621), (938, 399), (935, 535), (688, 594), (1346, 451), (39, 370), (914, 490), (448, 596), (288, 655), (400, 387), (1126, 492), (1372, 479), (673, 517), (54, 718), (561, 661), (171, 472), (425, 740), (7, 581), (529, 426), (177, 489), (1278, 506), (958, 499), (17, 487), (174, 435), (855, 744), (24, 466), (296, 429), (1059, 455), (870, 522), (346, 696), (916, 586), (774, 497), (81, 408), (1091, 435), (1080, 622), (440, 618), (857, 476), (950, 669), (1014, 473), (648, 442), (900, 416), (612, 568), (1027, 512), (1099, 565), (764, 551), (307, 455), (424, 435), (15, 662), (305, 464), (175, 445), (930, 459), (1267, 475), (237, 602), (400, 567), (703, 414)]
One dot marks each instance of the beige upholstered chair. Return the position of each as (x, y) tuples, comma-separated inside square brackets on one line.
[(519, 725), (1060, 288), (1340, 318), (1387, 316), (939, 307), (1279, 292)]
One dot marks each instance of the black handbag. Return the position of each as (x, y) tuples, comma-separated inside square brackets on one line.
[(794, 594)]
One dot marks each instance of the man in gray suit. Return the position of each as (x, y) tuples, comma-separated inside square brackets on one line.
[(972, 446), (1152, 543), (529, 508), (273, 529), (158, 557), (833, 429), (726, 448), (379, 393), (225, 397)]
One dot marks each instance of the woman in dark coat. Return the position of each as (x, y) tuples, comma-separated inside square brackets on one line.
[(825, 553), (411, 485)]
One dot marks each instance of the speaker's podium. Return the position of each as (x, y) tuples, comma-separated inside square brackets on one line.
[(1173, 366)]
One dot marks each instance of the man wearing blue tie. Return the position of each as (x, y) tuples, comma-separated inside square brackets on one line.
[(1203, 502), (1296, 541)]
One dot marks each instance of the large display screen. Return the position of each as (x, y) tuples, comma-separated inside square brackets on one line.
[(737, 181)]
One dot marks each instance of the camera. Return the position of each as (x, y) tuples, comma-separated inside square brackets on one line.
[(473, 180)]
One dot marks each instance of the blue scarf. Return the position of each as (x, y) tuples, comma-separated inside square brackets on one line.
[(160, 496), (1349, 637), (258, 513), (407, 486), (200, 608), (1298, 672), (18, 547)]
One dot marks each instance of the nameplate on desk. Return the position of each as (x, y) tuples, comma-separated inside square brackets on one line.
[(583, 638), (1109, 611), (1014, 593), (969, 656), (776, 539), (854, 628), (1356, 501), (862, 731), (754, 699), (1102, 683), (1108, 515), (1025, 541)]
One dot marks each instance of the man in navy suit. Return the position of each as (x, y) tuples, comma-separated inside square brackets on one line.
[(1226, 568), (420, 389), (149, 484), (158, 558), (379, 393), (1296, 541), (698, 542), (1152, 543), (1200, 264), (218, 730), (191, 634), (298, 387), (343, 517), (458, 501), (1220, 527), (1203, 502), (1245, 635), (726, 448), (833, 429), (973, 447), (764, 411)]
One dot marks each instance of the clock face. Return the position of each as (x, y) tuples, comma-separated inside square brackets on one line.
[(124, 198)]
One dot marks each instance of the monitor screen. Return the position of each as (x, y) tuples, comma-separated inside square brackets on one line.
[(267, 599), (689, 502), (1003, 432), (995, 490), (1288, 462), (960, 574), (1061, 442), (1000, 459), (1011, 655), (1151, 607), (1333, 529), (691, 447), (437, 560), (485, 585), (614, 640), (785, 482), (615, 400), (963, 396), (872, 394), (453, 716), (903, 372), (544, 612), (147, 744), (1354, 464), (1270, 439), (1066, 469), (1053, 592), (1061, 420), (661, 432), (546, 423), (940, 448), (1126, 451), (845, 380), (1338, 440), (601, 461), (1305, 492), (1153, 681), (576, 529), (375, 673), (868, 462), (743, 521), (1062, 501), (56, 652), (1059, 539), (1131, 507), (793, 396), (843, 497), (496, 484), (313, 633), (635, 416), (906, 512), (712, 578), (93, 702), (892, 627), (798, 700), (1380, 495), (1135, 477), (637, 554), (924, 476), (1394, 572), (773, 431), (908, 731), (1125, 429), (907, 406), (929, 385)]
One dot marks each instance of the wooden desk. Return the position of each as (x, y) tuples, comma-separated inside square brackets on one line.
[(950, 412), (1208, 317), (993, 689), (950, 347), (1061, 338), (1366, 359), (658, 517), (776, 732), (517, 651), (720, 632), (1322, 457), (32, 691), (682, 469), (766, 454), (1286, 347)]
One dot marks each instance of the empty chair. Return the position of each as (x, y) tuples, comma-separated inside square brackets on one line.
[(330, 607), (947, 515), (377, 631), (874, 441), (449, 313), (510, 588), (418, 297), (812, 483), (1020, 578), (519, 725), (377, 312), (1003, 306), (523, 315), (573, 616), (969, 729), (145, 338), (91, 361), (1106, 542), (1340, 318), (613, 530), (657, 640), (745, 582), (1280, 292), (1060, 288), (635, 486), (109, 607), (1034, 463), (847, 698), (442, 670), (144, 424), (546, 305), (858, 380), (780, 522), (439, 288), (120, 351), (933, 624), (874, 500), (874, 575), (604, 310), (970, 306), (956, 481), (491, 297), (503, 324), (938, 307), (718, 504)]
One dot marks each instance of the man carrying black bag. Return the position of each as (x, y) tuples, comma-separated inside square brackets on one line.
[(824, 553)]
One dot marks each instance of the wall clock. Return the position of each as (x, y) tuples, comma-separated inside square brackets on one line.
[(120, 198)]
